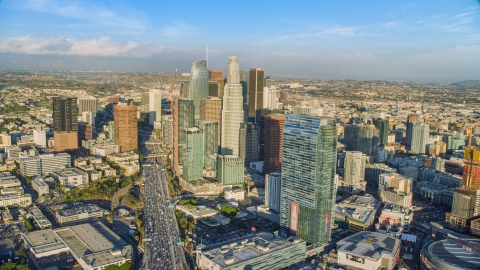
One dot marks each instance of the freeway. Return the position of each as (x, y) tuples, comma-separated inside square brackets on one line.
[(161, 228)]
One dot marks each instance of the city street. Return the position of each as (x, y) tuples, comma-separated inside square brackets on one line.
[(161, 228)]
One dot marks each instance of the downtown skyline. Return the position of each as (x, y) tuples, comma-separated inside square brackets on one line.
[(433, 41)]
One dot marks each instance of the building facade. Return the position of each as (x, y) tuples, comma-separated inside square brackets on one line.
[(272, 156), (198, 86), (230, 170), (193, 164), (126, 127), (272, 190), (308, 175), (255, 93)]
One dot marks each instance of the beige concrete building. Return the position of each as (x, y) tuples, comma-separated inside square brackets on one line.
[(211, 110), (126, 127)]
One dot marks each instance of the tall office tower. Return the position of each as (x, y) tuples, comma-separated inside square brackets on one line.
[(272, 98), (272, 157), (88, 104), (155, 105), (252, 148), (85, 132), (350, 137), (211, 110), (184, 118), (111, 131), (232, 112), (198, 88), (272, 190), (308, 178), (354, 174), (382, 126), (394, 188), (185, 85), (146, 101), (267, 82), (88, 117), (167, 131), (213, 88), (193, 163), (216, 75), (255, 93), (210, 134), (39, 137), (368, 140), (126, 127), (230, 170), (244, 79), (283, 96), (419, 137), (242, 141), (411, 119), (65, 123)]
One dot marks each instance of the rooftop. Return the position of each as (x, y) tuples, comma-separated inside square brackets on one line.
[(369, 245), (247, 248), (80, 209), (455, 254)]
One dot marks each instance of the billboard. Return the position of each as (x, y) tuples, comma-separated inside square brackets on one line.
[(294, 210)]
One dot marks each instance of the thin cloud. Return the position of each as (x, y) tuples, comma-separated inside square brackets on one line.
[(94, 13), (103, 46), (178, 30)]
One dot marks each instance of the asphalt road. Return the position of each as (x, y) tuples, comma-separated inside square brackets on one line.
[(161, 228)]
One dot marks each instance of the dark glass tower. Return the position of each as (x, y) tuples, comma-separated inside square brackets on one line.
[(308, 174), (255, 93), (65, 114)]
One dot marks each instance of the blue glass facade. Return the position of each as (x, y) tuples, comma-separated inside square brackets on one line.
[(308, 173), (198, 86)]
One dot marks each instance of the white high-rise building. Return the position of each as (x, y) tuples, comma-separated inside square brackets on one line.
[(88, 104), (40, 137), (88, 117), (232, 113), (419, 140), (272, 191), (354, 165), (155, 105)]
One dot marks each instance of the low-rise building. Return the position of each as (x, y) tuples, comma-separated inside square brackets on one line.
[(93, 245), (40, 186), (40, 220), (221, 219), (199, 211), (262, 251), (369, 250), (236, 194), (105, 150), (71, 177), (394, 219), (395, 188), (80, 212), (125, 156), (358, 212)]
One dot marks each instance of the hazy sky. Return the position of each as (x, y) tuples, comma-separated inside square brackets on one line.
[(431, 40)]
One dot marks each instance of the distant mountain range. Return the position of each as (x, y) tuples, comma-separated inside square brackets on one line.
[(470, 83)]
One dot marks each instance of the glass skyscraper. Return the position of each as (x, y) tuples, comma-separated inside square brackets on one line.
[(308, 173), (198, 86), (193, 164)]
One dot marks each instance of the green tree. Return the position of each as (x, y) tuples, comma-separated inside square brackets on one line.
[(22, 267), (8, 266), (110, 219), (20, 253), (28, 180), (191, 227), (183, 223), (111, 267), (125, 266)]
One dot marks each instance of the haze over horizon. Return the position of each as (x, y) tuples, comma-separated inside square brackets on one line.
[(429, 41)]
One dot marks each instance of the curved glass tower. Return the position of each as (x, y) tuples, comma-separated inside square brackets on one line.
[(198, 87)]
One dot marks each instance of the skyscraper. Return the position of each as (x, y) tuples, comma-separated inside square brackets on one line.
[(193, 163), (126, 126), (210, 133), (85, 132), (354, 173), (368, 140), (272, 158), (382, 126), (65, 123), (185, 85), (232, 113), (88, 104), (351, 135), (308, 174), (184, 118), (251, 143), (411, 119), (419, 137), (216, 75), (255, 93), (211, 110), (272, 190), (230, 170), (111, 130), (155, 105), (198, 86)]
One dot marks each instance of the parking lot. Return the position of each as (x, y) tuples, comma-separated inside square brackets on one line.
[(59, 261)]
